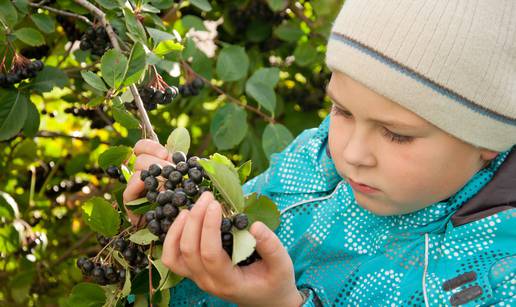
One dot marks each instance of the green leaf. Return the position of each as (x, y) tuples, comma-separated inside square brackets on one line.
[(305, 54), (44, 22), (202, 4), (191, 21), (9, 239), (13, 112), (289, 32), (134, 27), (20, 285), (126, 289), (47, 79), (168, 46), (30, 36), (137, 202), (31, 126), (87, 295), (143, 237), (178, 140), (158, 35), (76, 164), (8, 13), (94, 80), (275, 138), (226, 181), (262, 93), (113, 66), (8, 207), (277, 5), (224, 160), (26, 150), (136, 65), (263, 209), (114, 156), (244, 171), (269, 76), (109, 4), (101, 216), (243, 245), (122, 116), (228, 126), (168, 278), (232, 63)]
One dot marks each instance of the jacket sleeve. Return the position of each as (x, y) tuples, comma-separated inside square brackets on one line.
[(503, 281)]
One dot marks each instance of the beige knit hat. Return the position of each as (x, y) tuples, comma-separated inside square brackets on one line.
[(451, 62)]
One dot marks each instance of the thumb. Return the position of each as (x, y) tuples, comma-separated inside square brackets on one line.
[(269, 246)]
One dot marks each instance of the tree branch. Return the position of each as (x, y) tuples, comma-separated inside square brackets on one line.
[(52, 134), (60, 12), (147, 127), (230, 98)]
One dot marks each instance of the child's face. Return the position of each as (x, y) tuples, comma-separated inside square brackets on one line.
[(412, 169)]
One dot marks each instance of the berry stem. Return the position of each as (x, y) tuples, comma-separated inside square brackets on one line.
[(60, 12), (100, 15)]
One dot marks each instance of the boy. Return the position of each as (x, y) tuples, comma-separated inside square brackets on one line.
[(404, 195)]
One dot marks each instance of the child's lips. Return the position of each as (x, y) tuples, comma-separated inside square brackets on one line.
[(361, 187)]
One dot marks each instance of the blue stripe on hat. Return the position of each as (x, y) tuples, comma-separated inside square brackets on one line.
[(422, 79)]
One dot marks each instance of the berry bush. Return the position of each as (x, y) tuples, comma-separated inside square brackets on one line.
[(81, 81)]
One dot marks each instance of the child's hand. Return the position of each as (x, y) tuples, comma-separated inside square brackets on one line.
[(147, 152), (193, 249)]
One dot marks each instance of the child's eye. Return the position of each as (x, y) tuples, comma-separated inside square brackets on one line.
[(400, 139), (397, 138)]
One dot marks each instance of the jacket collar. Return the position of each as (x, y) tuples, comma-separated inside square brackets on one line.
[(496, 196)]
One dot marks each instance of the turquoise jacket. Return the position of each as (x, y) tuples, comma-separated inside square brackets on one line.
[(460, 251)]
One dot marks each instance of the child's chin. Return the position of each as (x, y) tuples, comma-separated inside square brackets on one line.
[(382, 209)]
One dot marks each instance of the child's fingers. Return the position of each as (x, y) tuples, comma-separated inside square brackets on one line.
[(171, 255), (271, 250), (214, 258), (143, 162), (146, 146), (191, 237), (132, 191)]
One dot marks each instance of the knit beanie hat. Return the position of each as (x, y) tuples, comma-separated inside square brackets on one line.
[(453, 63)]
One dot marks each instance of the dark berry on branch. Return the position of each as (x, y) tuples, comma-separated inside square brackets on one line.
[(87, 266), (182, 167), (98, 272), (150, 215), (169, 185), (102, 240), (113, 171), (144, 174), (81, 261), (157, 97), (122, 179), (175, 177), (154, 227), (170, 211), (165, 224), (162, 237), (190, 187), (178, 156), (227, 238), (198, 83), (203, 189), (111, 275), (152, 195), (130, 253), (193, 162), (179, 198), (155, 170), (225, 225), (151, 183), (167, 169), (195, 175), (159, 212), (120, 244), (240, 221)]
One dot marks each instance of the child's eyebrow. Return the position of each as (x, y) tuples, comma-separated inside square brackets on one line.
[(390, 123)]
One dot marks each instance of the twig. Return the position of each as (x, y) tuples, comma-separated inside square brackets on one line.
[(147, 127), (65, 56), (69, 251), (52, 134), (230, 98), (171, 14), (107, 120), (60, 12)]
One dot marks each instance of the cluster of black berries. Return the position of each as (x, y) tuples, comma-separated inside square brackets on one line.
[(69, 27), (96, 39), (101, 274), (192, 88), (19, 73), (152, 96), (36, 52), (96, 120), (182, 187), (114, 172), (68, 186)]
